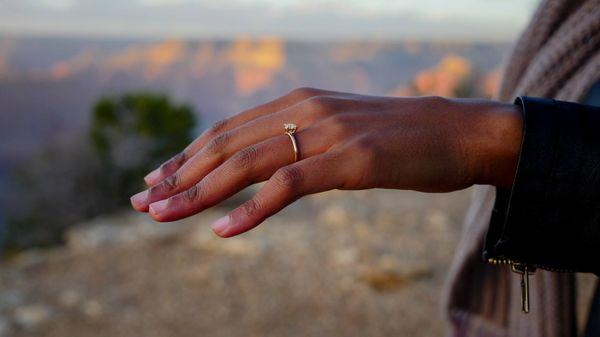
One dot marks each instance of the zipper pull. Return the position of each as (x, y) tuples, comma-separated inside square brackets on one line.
[(524, 270)]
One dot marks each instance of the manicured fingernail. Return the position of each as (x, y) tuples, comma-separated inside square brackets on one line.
[(140, 198), (159, 206), (220, 225), (151, 177)]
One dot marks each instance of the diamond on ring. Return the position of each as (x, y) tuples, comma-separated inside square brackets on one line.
[(290, 127)]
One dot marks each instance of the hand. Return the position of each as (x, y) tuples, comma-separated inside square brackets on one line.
[(345, 141)]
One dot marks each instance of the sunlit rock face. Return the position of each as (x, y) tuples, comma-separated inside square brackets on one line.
[(153, 60), (67, 68), (203, 59), (445, 78), (255, 63), (164, 55), (150, 61), (346, 52), (491, 82)]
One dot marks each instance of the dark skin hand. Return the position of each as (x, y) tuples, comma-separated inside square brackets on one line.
[(346, 141)]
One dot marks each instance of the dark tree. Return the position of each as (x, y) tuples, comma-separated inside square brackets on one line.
[(134, 133), (97, 171)]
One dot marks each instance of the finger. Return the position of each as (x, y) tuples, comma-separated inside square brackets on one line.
[(316, 174), (228, 143), (252, 164), (170, 166)]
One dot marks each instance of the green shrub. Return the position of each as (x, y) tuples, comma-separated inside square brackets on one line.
[(96, 172)]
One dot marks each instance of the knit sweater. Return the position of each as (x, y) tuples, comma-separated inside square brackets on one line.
[(557, 56)]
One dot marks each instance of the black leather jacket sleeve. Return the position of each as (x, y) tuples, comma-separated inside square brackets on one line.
[(551, 217)]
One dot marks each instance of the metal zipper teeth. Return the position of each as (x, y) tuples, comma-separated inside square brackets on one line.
[(511, 262)]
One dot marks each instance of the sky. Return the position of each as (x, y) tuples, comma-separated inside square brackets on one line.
[(469, 20)]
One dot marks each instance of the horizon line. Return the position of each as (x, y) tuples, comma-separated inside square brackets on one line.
[(257, 37)]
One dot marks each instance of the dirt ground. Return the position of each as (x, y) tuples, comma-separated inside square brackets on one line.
[(368, 263)]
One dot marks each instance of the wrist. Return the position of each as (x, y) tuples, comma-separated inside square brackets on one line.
[(499, 150), (491, 140)]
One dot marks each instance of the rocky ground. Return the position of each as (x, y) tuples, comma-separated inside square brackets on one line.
[(368, 263)]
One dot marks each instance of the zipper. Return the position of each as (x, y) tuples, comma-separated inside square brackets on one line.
[(524, 270)]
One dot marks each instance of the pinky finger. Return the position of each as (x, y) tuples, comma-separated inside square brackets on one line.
[(312, 175)]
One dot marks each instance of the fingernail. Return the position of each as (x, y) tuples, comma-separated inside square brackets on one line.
[(151, 177), (159, 206), (140, 198), (220, 225)]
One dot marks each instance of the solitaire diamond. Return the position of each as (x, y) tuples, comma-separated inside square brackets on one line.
[(290, 128)]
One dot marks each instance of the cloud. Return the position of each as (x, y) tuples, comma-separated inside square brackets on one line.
[(160, 3), (57, 4), (306, 19)]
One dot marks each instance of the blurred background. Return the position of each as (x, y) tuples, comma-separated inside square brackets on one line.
[(94, 94)]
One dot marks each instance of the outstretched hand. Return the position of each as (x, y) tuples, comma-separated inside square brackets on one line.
[(345, 141)]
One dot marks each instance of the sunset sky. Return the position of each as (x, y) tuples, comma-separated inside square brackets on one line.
[(480, 20)]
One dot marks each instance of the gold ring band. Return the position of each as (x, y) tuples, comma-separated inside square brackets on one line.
[(290, 129)]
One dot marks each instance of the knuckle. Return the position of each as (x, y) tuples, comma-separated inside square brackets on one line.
[(338, 124), (289, 177), (156, 191), (245, 158), (174, 163), (304, 92), (251, 207), (193, 194), (218, 144), (322, 105), (436, 101), (218, 127), (170, 183)]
